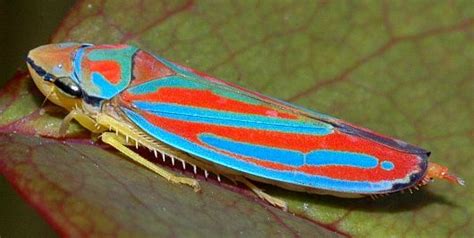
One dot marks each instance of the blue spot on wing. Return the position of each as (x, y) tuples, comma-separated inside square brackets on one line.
[(387, 165)]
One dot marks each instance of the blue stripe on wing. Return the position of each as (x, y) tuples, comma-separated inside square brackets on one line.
[(105, 88), (291, 157), (341, 158), (168, 82), (190, 83), (200, 115), (210, 153), (287, 157)]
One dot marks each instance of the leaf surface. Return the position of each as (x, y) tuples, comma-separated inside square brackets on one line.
[(85, 190), (404, 70)]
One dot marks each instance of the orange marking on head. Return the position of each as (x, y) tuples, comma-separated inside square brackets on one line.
[(109, 69)]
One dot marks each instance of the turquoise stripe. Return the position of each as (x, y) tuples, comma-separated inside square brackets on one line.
[(77, 76), (192, 83), (291, 157), (168, 82), (104, 88), (201, 115), (340, 158), (292, 177), (265, 153)]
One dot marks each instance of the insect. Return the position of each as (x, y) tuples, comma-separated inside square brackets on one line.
[(134, 98)]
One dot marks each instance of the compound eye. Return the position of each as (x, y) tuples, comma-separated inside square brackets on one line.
[(68, 87)]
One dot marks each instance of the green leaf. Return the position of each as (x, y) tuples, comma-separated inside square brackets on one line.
[(84, 190), (404, 70)]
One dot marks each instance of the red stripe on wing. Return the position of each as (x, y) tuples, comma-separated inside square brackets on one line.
[(404, 163), (204, 99)]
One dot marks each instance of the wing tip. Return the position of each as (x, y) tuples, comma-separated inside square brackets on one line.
[(387, 141)]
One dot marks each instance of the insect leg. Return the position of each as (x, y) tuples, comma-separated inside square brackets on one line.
[(117, 142), (82, 118), (265, 196)]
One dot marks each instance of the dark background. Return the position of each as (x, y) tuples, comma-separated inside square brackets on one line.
[(24, 25)]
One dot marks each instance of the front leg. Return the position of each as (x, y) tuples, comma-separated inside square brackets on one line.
[(83, 119), (119, 142)]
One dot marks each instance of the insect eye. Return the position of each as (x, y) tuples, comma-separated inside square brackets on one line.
[(68, 87)]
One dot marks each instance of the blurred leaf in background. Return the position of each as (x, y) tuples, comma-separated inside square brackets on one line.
[(23, 25), (400, 68)]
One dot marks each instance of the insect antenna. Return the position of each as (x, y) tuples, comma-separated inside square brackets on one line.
[(47, 97)]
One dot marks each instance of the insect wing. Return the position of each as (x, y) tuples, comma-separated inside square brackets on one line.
[(267, 138)]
